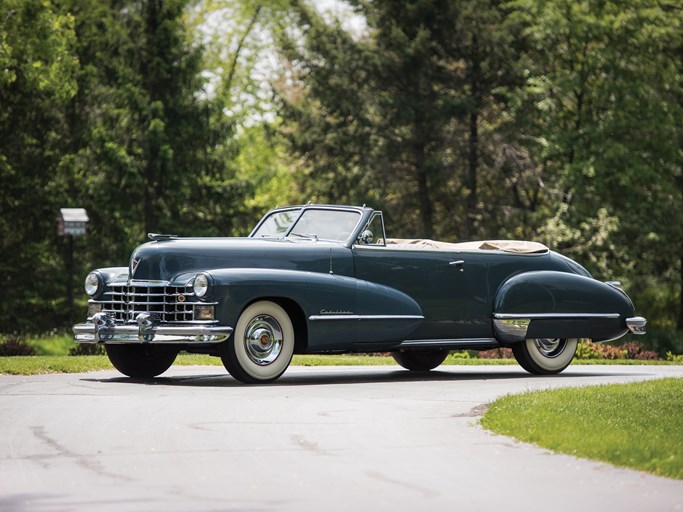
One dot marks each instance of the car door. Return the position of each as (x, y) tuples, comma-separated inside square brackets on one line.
[(449, 286)]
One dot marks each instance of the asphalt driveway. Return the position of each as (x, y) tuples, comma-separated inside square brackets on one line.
[(326, 438)]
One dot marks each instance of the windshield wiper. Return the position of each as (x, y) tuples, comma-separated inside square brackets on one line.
[(305, 235)]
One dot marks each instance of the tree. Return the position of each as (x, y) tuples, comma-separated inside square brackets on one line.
[(603, 104), (395, 116), (37, 79), (109, 99)]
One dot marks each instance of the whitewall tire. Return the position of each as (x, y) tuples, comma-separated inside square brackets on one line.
[(545, 356), (262, 345)]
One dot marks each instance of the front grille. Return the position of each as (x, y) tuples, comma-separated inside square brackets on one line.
[(170, 304)]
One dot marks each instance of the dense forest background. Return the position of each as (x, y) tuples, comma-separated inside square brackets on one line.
[(553, 120)]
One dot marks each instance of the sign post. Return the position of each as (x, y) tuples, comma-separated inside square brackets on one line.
[(71, 222)]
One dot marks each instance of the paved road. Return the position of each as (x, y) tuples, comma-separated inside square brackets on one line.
[(321, 439)]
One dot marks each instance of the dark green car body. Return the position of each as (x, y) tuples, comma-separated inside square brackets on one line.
[(355, 293)]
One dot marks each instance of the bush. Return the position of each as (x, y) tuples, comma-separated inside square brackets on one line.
[(13, 346), (87, 349), (674, 358), (660, 341), (630, 350), (635, 350), (497, 353)]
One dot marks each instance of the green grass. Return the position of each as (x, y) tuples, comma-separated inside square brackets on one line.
[(35, 365), (52, 344), (635, 425)]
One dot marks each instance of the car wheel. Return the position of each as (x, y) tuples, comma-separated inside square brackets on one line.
[(262, 345), (545, 356), (419, 360), (141, 361)]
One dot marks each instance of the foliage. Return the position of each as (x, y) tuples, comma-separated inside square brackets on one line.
[(462, 119), (37, 79), (104, 107), (628, 350), (12, 346), (635, 425), (403, 115), (674, 358), (599, 113), (496, 353), (87, 349)]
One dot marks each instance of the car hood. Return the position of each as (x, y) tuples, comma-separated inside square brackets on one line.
[(169, 258)]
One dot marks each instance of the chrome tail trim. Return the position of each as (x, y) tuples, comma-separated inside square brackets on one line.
[(636, 324)]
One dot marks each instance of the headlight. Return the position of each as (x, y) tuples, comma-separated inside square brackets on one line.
[(93, 283), (201, 285)]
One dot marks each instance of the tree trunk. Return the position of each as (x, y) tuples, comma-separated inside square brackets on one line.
[(425, 204), (680, 300), (473, 143), (472, 174)]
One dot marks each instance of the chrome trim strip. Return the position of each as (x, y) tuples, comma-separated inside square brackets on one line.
[(315, 318), (460, 342), (541, 316)]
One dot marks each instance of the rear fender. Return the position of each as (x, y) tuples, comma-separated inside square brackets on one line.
[(550, 304)]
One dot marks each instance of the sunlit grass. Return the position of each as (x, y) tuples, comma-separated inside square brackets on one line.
[(636, 425), (34, 365)]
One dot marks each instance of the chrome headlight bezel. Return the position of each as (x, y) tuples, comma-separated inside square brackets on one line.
[(94, 284), (202, 285)]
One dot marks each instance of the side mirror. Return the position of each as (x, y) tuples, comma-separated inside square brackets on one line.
[(366, 237)]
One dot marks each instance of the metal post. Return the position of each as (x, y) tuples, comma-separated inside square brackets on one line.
[(70, 277)]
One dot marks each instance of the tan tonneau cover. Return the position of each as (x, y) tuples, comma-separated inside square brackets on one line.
[(518, 246)]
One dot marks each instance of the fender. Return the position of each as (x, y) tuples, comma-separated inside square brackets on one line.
[(550, 304), (340, 311)]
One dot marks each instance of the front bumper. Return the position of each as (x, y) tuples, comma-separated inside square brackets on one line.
[(102, 328)]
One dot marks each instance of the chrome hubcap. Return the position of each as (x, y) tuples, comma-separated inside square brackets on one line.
[(550, 347), (263, 340)]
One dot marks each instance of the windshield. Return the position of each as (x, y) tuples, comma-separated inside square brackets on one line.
[(277, 224), (314, 224)]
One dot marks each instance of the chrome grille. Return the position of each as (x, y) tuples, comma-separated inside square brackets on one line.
[(170, 304)]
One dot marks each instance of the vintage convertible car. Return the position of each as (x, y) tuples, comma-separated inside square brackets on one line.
[(321, 279)]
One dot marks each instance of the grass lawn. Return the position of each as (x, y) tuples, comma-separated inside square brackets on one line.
[(35, 365), (637, 425)]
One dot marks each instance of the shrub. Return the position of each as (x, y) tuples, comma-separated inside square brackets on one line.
[(587, 350), (674, 358), (635, 350), (13, 346), (630, 350), (660, 341), (87, 349), (496, 353)]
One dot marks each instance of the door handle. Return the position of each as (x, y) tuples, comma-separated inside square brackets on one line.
[(459, 264)]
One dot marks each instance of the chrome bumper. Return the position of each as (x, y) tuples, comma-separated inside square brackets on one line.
[(102, 328), (636, 324)]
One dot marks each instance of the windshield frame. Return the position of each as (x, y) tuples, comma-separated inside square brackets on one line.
[(362, 212)]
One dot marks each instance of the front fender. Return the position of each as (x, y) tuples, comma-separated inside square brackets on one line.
[(340, 311), (554, 304)]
